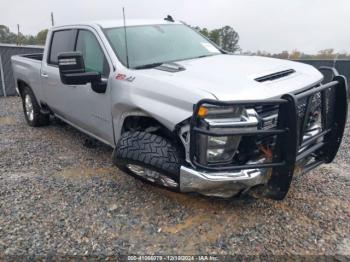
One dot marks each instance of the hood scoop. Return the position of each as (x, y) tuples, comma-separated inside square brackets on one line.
[(170, 67), (275, 76)]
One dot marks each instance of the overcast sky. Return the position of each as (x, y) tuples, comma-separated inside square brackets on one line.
[(270, 25)]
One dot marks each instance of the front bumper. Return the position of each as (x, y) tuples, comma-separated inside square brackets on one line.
[(220, 184), (291, 150)]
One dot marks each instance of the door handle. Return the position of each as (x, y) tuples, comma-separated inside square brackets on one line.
[(44, 75)]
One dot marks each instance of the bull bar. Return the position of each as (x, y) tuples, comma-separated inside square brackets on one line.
[(289, 134)]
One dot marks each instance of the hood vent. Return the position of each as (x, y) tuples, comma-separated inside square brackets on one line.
[(170, 67), (275, 76)]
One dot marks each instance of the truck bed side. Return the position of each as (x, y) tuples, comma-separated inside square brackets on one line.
[(27, 70)]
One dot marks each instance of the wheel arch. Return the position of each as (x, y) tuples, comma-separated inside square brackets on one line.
[(139, 120), (21, 84)]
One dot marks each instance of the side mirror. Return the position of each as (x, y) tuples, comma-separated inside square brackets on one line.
[(72, 72)]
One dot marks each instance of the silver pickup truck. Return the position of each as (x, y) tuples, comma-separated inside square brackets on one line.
[(182, 113)]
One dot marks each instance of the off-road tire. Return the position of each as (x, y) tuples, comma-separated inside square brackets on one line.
[(150, 151), (39, 119)]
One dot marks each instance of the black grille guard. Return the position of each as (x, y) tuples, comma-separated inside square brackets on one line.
[(289, 134)]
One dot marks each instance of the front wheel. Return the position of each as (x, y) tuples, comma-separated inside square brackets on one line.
[(150, 158)]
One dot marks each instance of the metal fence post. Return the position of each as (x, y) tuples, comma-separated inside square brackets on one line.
[(2, 77)]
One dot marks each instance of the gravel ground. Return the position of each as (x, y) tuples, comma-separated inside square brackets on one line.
[(60, 197)]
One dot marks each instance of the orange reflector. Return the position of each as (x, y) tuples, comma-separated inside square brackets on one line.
[(203, 111), (267, 152)]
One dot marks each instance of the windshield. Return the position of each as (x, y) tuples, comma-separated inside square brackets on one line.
[(153, 44)]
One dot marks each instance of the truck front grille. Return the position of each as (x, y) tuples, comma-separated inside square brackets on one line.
[(315, 107), (268, 110), (269, 117)]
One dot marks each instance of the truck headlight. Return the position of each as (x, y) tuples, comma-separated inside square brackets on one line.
[(214, 141), (221, 149)]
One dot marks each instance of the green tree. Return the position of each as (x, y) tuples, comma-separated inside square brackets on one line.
[(21, 39), (204, 32), (30, 40), (295, 55), (226, 37), (229, 39), (326, 54), (4, 32), (6, 36), (214, 36), (283, 55), (41, 37)]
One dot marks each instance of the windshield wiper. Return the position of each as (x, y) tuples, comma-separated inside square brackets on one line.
[(153, 65), (202, 56)]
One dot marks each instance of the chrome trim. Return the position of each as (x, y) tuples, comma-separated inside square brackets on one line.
[(249, 119), (152, 175), (270, 121), (223, 184), (29, 107), (271, 117), (185, 132), (316, 130)]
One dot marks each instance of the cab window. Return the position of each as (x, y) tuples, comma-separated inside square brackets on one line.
[(94, 58), (61, 41)]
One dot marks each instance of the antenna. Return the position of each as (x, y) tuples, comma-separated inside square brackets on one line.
[(126, 41), (52, 20), (169, 18)]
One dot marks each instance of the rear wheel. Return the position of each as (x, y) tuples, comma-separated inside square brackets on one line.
[(31, 109), (150, 158)]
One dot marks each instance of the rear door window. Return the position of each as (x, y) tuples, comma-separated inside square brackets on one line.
[(94, 58), (62, 41)]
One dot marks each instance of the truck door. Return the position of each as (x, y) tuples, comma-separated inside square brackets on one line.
[(54, 92), (79, 104), (88, 106)]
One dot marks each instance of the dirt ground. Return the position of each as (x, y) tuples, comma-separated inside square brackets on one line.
[(60, 197)]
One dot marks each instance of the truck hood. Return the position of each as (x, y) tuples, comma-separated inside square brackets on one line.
[(231, 77)]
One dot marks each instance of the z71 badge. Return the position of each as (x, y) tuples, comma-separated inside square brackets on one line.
[(123, 77)]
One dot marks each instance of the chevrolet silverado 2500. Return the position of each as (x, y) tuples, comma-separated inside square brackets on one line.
[(182, 113)]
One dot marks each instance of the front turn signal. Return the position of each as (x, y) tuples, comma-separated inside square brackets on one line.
[(202, 112)]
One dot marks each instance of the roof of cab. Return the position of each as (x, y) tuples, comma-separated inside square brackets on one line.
[(132, 22), (120, 23)]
